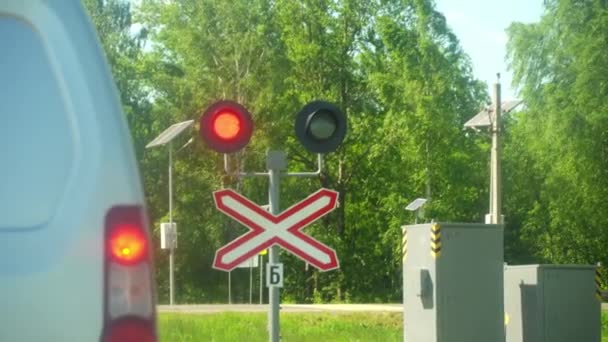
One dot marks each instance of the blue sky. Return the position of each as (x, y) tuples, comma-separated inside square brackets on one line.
[(480, 26)]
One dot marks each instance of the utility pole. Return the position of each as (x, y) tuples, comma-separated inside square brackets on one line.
[(490, 117), (495, 181), (171, 246)]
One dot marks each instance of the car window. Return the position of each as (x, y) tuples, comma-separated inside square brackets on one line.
[(36, 139)]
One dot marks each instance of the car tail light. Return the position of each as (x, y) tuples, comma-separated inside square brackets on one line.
[(133, 330), (128, 244), (129, 310)]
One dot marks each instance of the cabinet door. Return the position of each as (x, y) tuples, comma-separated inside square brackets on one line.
[(571, 311)]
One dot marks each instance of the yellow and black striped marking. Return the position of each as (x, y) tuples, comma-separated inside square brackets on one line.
[(404, 245), (435, 241), (598, 284)]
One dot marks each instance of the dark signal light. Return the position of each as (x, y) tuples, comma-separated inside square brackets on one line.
[(226, 126), (320, 126)]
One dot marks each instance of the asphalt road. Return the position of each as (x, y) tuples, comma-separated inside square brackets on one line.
[(215, 308)]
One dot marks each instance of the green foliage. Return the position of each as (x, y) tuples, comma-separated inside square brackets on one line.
[(557, 151), (394, 68)]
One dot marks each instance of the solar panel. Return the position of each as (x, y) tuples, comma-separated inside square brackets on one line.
[(416, 204), (170, 133), (482, 119), (507, 106)]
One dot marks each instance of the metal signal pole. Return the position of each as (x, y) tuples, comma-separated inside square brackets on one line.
[(275, 163), (495, 182)]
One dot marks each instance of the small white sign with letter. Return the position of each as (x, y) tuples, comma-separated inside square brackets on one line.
[(274, 275)]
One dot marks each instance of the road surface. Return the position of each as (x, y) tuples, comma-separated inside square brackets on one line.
[(215, 308)]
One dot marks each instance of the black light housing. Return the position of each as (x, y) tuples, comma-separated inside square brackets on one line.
[(226, 126), (320, 126)]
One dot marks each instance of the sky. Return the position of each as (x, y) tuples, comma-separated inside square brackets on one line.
[(480, 26)]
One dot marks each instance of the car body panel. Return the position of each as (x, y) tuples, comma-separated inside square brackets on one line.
[(68, 159)]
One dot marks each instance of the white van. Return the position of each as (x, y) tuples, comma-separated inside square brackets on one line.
[(75, 253)]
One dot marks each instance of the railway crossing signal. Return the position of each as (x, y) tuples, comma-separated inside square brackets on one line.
[(226, 126), (267, 230)]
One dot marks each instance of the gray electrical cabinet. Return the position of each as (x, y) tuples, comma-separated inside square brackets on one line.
[(551, 303), (453, 282)]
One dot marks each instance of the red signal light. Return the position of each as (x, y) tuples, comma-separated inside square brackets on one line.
[(226, 126), (127, 244)]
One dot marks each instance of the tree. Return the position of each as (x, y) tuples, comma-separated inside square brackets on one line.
[(123, 48), (560, 66)]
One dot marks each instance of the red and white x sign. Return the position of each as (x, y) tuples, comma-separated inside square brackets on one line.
[(284, 229)]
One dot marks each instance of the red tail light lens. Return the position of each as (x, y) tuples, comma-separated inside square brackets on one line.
[(129, 311), (130, 330), (128, 244)]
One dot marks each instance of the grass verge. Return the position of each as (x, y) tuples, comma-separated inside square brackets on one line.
[(604, 326), (251, 327), (296, 327)]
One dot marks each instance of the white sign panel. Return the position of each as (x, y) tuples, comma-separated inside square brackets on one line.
[(284, 229), (168, 235), (274, 275)]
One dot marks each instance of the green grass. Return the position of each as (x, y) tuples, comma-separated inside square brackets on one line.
[(317, 327), (604, 326), (251, 327)]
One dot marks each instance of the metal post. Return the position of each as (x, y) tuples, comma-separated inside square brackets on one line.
[(261, 265), (229, 288), (274, 176), (276, 162), (166, 139), (250, 281), (171, 224), (495, 182)]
